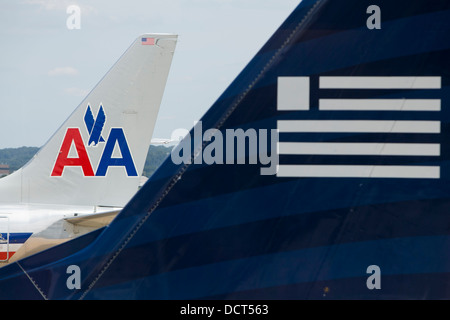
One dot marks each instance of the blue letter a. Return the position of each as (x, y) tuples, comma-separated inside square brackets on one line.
[(116, 136)]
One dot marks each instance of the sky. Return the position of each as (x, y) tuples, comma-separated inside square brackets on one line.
[(46, 68)]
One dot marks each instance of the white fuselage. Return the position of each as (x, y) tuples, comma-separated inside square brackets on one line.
[(19, 222), (35, 218)]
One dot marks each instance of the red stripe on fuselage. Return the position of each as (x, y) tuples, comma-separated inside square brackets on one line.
[(5, 255)]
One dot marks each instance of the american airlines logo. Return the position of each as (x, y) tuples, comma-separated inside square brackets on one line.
[(294, 95), (73, 140)]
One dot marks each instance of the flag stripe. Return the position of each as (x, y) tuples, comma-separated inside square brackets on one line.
[(380, 104), (347, 171), (386, 126), (382, 149), (380, 82)]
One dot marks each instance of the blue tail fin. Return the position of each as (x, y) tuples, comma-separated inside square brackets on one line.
[(321, 172)]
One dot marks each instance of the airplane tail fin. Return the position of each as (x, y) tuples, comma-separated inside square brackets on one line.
[(104, 143), (321, 172)]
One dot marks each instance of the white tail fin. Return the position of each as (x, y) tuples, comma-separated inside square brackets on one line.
[(97, 156)]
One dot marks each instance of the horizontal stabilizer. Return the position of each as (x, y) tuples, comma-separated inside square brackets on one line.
[(95, 220)]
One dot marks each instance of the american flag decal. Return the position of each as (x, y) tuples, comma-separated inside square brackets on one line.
[(148, 41), (294, 95)]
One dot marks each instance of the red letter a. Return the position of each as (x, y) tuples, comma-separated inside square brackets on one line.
[(73, 135)]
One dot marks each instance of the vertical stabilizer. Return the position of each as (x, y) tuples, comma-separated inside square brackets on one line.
[(97, 156)]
